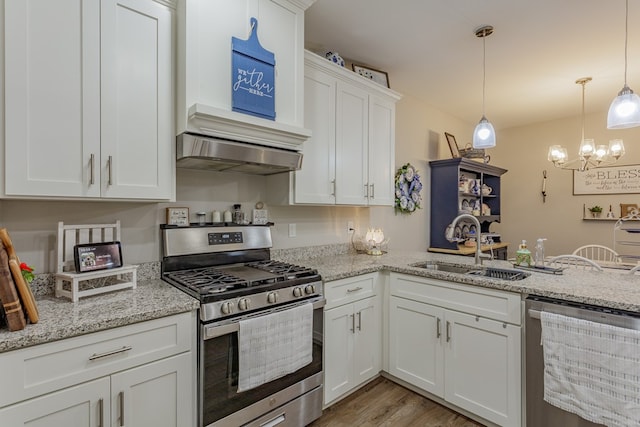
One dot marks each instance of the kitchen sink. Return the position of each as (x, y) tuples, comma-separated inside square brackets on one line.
[(446, 267), (491, 272)]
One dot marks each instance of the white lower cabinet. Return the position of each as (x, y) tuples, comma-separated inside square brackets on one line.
[(441, 342), (352, 332), (138, 375)]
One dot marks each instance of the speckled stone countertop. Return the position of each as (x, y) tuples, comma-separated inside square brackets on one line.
[(60, 318), (610, 288)]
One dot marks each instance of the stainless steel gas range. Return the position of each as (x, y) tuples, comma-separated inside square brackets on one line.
[(229, 269)]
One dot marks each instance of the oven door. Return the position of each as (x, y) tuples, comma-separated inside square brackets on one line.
[(220, 403)]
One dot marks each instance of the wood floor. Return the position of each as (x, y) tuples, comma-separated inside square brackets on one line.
[(384, 403)]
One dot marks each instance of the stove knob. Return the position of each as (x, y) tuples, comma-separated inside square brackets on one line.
[(243, 304), (226, 307), (297, 292), (272, 297), (309, 289)]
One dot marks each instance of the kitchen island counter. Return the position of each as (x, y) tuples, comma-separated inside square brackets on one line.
[(60, 318), (610, 288)]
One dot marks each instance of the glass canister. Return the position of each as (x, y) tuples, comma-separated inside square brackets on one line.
[(238, 215)]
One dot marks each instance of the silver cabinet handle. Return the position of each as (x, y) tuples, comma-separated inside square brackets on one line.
[(353, 323), (121, 399), (92, 164), (101, 411), (333, 187), (95, 356), (359, 288), (448, 331), (373, 191), (110, 167), (366, 191), (438, 332), (359, 320)]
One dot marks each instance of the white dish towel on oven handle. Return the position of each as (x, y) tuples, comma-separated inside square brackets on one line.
[(274, 345), (592, 369)]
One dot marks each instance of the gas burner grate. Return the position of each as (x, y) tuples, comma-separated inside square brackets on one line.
[(286, 270), (207, 280)]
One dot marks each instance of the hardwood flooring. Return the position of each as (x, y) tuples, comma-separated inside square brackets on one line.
[(385, 403)]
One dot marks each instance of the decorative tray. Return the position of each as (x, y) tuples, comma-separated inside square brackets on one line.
[(543, 269)]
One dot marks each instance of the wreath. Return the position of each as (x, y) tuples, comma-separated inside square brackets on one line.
[(408, 188)]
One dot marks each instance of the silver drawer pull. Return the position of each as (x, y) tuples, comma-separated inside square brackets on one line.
[(95, 356), (359, 288)]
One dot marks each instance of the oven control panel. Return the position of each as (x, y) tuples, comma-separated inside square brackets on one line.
[(225, 238)]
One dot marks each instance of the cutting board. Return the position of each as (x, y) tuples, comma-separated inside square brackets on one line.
[(9, 295), (24, 290)]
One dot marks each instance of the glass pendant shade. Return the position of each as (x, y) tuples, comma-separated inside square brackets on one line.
[(624, 111), (616, 148), (557, 154), (587, 148), (484, 136)]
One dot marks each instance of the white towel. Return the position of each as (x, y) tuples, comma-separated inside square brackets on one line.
[(274, 345), (592, 369)]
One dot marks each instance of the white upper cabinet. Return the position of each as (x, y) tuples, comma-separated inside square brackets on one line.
[(350, 157), (204, 68), (88, 100)]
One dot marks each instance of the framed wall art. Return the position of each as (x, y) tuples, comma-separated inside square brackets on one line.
[(609, 180), (377, 76)]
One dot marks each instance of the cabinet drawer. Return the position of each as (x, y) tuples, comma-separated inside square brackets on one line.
[(344, 291), (47, 367), (489, 303)]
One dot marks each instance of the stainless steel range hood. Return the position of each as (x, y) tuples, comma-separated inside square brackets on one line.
[(204, 152)]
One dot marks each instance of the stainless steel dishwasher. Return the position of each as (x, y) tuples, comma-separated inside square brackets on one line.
[(538, 412)]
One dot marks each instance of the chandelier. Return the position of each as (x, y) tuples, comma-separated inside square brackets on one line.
[(590, 155)]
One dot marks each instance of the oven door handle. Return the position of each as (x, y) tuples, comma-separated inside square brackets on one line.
[(218, 330)]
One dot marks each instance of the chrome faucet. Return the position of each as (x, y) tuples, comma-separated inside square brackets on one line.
[(449, 235)]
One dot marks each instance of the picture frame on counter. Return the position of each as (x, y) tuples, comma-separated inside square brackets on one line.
[(380, 77), (178, 216)]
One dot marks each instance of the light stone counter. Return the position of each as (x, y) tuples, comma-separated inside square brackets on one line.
[(613, 288), (60, 318)]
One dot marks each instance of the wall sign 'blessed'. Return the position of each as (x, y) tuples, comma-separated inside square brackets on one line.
[(252, 76), (611, 180)]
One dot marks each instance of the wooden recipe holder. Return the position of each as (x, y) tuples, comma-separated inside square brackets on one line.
[(70, 235)]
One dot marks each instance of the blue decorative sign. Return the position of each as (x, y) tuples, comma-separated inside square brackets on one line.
[(252, 76)]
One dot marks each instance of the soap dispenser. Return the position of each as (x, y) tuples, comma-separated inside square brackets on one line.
[(539, 255), (523, 255)]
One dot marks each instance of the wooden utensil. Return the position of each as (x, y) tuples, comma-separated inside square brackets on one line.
[(24, 290), (9, 295)]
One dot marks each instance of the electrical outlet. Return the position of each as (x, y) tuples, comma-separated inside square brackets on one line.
[(350, 228), (292, 230)]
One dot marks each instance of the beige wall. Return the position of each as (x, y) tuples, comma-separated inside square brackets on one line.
[(523, 151)]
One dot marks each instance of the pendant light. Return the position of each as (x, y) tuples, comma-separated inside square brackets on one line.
[(624, 111), (484, 136)]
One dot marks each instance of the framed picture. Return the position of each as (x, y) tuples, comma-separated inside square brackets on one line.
[(453, 145), (97, 256), (377, 76), (609, 180), (628, 208), (178, 216)]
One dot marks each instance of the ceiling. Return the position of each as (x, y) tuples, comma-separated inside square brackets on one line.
[(537, 51)]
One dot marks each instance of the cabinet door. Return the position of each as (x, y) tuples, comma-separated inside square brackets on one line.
[(157, 394), (52, 97), (339, 325), (315, 182), (137, 112), (352, 107), (381, 168), (367, 340), (415, 339), (85, 405), (482, 367)]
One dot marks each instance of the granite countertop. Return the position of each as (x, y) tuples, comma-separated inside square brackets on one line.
[(610, 288), (60, 318)]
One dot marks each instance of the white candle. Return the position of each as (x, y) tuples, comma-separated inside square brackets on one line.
[(215, 216), (227, 216)]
